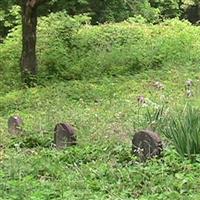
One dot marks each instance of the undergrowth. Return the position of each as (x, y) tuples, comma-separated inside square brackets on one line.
[(105, 114), (71, 49)]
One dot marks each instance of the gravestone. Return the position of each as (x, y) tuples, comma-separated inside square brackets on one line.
[(141, 100), (15, 125), (189, 93), (188, 88), (189, 83), (64, 135), (158, 85), (146, 144)]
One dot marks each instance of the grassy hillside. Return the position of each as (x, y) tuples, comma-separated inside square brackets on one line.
[(106, 114)]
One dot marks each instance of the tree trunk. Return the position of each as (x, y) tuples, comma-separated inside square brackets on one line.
[(28, 57)]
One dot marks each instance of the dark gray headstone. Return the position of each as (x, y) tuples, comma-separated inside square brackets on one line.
[(146, 144), (15, 125), (64, 135)]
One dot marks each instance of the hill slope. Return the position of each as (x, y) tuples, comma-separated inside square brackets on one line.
[(105, 114)]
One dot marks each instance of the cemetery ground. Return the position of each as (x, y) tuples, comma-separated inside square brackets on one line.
[(105, 114)]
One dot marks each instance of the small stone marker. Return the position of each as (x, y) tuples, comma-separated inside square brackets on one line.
[(64, 135), (188, 88), (158, 85), (15, 125), (189, 83), (141, 100), (189, 93), (146, 144)]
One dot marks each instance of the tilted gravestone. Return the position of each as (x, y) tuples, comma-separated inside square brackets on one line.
[(15, 125), (64, 136), (146, 144)]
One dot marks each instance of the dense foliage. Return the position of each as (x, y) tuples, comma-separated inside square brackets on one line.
[(108, 10), (70, 48)]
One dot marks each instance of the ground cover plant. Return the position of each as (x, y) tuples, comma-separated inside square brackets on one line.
[(94, 83), (105, 114), (183, 130)]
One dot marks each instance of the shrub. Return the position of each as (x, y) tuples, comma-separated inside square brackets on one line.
[(10, 52), (126, 47), (55, 41)]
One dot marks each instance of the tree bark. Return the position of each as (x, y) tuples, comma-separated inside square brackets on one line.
[(28, 57), (29, 26)]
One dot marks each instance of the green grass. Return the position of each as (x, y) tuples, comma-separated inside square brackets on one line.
[(108, 66), (106, 114), (184, 131)]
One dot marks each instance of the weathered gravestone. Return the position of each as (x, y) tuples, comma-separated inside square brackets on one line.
[(64, 136), (189, 83), (158, 85), (15, 125), (146, 144), (188, 88), (141, 100)]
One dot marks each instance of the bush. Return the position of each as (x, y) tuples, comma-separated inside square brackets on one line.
[(10, 52), (55, 37), (128, 47)]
